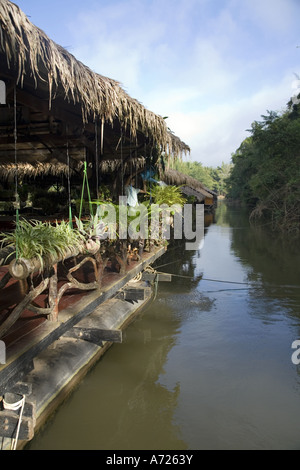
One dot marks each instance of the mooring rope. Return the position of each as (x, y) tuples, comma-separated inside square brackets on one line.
[(285, 286), (137, 278), (15, 407), (17, 198)]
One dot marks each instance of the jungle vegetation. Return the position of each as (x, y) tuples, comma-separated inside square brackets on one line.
[(212, 178), (266, 170)]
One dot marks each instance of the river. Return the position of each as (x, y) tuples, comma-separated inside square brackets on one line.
[(208, 364)]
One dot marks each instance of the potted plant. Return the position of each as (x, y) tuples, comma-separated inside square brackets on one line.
[(41, 244)]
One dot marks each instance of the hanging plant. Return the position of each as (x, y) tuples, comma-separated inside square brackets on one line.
[(43, 241), (169, 195), (92, 230)]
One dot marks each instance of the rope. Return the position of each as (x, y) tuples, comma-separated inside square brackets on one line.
[(168, 264), (227, 282), (69, 186), (122, 166), (155, 288), (149, 269), (176, 275), (15, 407), (136, 171), (137, 278), (102, 136), (249, 285), (97, 159), (85, 181), (17, 200)]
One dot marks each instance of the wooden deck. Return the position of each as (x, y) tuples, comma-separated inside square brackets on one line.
[(32, 334)]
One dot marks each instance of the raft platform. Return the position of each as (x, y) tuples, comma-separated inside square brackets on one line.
[(46, 360)]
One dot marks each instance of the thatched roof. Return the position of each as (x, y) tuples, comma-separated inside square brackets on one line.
[(42, 67), (190, 186), (199, 194), (176, 178)]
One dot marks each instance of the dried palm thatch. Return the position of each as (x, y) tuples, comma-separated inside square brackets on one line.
[(174, 177), (8, 171), (176, 146), (33, 56), (133, 164)]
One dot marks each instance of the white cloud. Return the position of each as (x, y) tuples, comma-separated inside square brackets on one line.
[(215, 133), (211, 66), (119, 40)]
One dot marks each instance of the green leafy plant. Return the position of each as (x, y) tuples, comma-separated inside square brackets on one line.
[(92, 228), (167, 195), (41, 240), (165, 202)]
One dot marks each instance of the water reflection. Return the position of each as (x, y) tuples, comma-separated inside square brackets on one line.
[(273, 269), (239, 388)]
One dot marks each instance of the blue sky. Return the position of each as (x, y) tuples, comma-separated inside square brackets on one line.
[(211, 66)]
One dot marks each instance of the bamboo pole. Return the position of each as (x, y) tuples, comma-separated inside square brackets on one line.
[(21, 268)]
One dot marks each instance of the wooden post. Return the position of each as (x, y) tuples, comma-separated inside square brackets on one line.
[(14, 416), (52, 296), (141, 247)]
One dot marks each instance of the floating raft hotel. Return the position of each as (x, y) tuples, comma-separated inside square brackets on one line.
[(44, 360), (62, 125), (191, 187)]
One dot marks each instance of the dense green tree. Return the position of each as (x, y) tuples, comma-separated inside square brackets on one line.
[(212, 178), (220, 175), (195, 170), (238, 182), (266, 169)]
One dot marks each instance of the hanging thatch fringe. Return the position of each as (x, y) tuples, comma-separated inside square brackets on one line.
[(110, 166), (8, 170), (31, 53)]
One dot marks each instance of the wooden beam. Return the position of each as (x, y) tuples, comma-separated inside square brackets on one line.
[(41, 105), (14, 375), (8, 424), (9, 419), (46, 139), (22, 388)]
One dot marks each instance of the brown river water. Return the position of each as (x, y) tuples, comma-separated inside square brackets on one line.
[(209, 363)]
